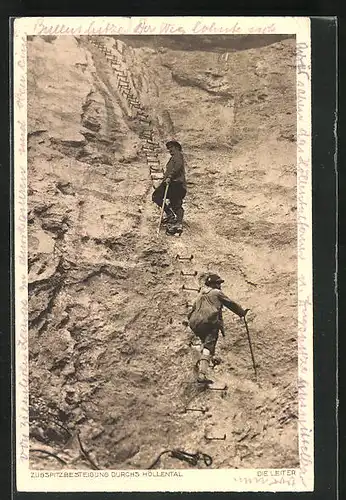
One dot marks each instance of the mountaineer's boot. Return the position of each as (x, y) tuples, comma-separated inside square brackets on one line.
[(174, 228)]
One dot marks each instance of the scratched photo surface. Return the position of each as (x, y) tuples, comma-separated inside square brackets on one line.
[(112, 361)]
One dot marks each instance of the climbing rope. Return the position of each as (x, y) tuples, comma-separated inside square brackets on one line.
[(191, 458)]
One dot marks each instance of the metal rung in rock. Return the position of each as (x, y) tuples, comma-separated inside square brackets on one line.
[(224, 388), (202, 410), (178, 257), (190, 289), (156, 177), (188, 274), (215, 438)]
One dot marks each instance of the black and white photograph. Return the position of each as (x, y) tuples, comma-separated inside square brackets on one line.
[(164, 258)]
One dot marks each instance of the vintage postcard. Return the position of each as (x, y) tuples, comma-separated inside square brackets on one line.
[(163, 255)]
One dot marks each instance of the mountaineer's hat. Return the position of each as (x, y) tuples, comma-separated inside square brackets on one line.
[(213, 278)]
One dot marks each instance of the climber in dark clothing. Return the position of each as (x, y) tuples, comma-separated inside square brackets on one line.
[(174, 176)]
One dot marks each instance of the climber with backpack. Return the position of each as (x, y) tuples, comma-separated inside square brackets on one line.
[(205, 320)]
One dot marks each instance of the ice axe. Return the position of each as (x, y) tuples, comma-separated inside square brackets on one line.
[(162, 208), (250, 345)]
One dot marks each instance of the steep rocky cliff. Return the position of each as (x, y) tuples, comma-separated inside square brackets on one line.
[(110, 358)]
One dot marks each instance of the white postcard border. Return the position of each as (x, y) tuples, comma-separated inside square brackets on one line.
[(301, 479)]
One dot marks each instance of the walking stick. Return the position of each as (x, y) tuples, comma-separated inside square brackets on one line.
[(252, 356), (162, 208)]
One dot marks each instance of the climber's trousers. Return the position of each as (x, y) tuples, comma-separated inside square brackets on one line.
[(209, 339), (175, 194)]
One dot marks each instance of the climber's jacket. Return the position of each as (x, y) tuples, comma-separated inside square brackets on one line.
[(209, 300), (175, 169)]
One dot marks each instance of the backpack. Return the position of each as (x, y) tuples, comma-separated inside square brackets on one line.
[(205, 313)]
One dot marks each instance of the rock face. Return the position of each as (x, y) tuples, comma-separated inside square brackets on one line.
[(109, 355)]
